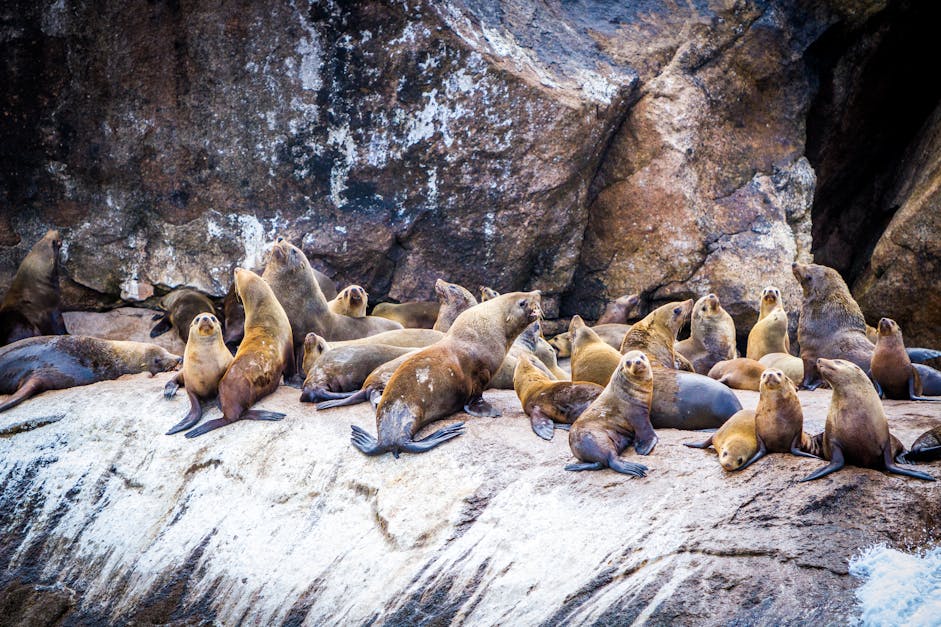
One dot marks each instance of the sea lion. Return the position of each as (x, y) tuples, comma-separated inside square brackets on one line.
[(930, 380), (736, 441), (618, 310), (856, 430), (411, 315), (371, 390), (686, 400), (617, 418), (611, 333), (314, 347), (593, 360), (790, 365), (524, 344), (439, 380), (31, 305), (546, 355), (769, 335), (56, 362), (656, 335), (180, 307), (409, 338), (205, 360), (264, 356), (550, 404), (487, 293), (927, 447), (712, 337), (891, 369), (350, 301), (740, 373), (344, 369), (831, 325), (453, 300), (779, 419)]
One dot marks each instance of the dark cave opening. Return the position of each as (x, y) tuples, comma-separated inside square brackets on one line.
[(874, 95)]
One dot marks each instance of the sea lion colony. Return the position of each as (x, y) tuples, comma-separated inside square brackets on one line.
[(629, 379)]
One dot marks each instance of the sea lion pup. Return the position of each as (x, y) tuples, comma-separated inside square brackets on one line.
[(769, 335), (350, 301), (611, 333), (831, 324), (593, 360), (856, 430), (31, 305), (439, 380), (790, 365), (891, 369), (550, 404), (927, 447), (736, 441), (57, 362), (453, 300), (205, 360), (740, 373), (617, 418), (618, 310), (487, 293), (265, 354), (524, 344), (180, 307), (712, 337), (344, 369), (411, 315), (655, 335)]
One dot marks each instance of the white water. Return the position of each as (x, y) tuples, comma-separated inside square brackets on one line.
[(900, 588)]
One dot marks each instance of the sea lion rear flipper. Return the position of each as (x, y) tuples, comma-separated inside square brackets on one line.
[(705, 444), (921, 355), (161, 327), (261, 414), (481, 408), (796, 448), (31, 387), (543, 426), (891, 466), (923, 454), (762, 451), (206, 427), (585, 466), (914, 388), (347, 399), (195, 413), (438, 437), (365, 443), (625, 467), (836, 462)]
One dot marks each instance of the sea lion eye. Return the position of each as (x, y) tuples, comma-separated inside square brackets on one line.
[(522, 303), (676, 310)]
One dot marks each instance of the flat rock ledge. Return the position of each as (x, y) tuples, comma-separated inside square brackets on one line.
[(105, 519)]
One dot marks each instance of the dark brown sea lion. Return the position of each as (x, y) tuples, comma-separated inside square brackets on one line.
[(453, 300), (740, 373), (350, 301), (769, 335), (344, 369), (550, 404), (371, 390), (205, 361), (618, 310), (411, 315), (264, 356), (736, 441), (927, 447), (32, 304), (712, 337), (180, 307), (891, 368), (655, 335), (617, 418), (439, 380), (856, 431), (57, 362)]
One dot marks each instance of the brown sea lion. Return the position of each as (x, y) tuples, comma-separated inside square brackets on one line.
[(439, 380), (790, 365), (611, 333), (314, 347), (350, 301), (546, 355), (656, 335), (57, 362), (180, 307), (891, 368), (453, 300), (32, 304), (593, 360), (779, 419), (344, 369), (371, 390), (618, 310), (769, 335), (736, 441), (205, 360), (487, 293), (264, 356), (712, 337), (550, 404), (740, 373), (617, 418), (927, 447), (856, 430), (411, 315)]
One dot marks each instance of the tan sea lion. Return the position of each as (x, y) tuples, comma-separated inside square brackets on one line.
[(656, 335), (618, 310), (180, 307), (856, 430), (593, 360), (546, 355), (790, 365), (927, 447), (32, 304), (350, 301), (523, 345), (487, 293), (411, 315), (712, 337), (550, 404), (205, 360), (617, 418), (769, 335), (409, 338), (611, 333), (264, 356), (740, 373), (779, 419), (892, 369), (439, 380), (344, 369), (736, 441), (57, 362), (453, 300)]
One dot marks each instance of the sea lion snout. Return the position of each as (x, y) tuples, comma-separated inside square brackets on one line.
[(886, 326)]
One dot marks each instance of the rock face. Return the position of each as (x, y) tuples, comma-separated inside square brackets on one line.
[(105, 519)]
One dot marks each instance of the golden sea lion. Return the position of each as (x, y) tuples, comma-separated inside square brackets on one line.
[(790, 365), (593, 359), (32, 304), (712, 337), (411, 315), (779, 419), (769, 335), (350, 301), (611, 333), (740, 373), (487, 293), (655, 335), (736, 441), (180, 307), (550, 404)]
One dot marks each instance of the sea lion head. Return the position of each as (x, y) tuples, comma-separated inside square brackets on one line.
[(205, 326), (286, 257), (43, 257), (356, 294), (155, 359), (520, 310), (817, 279), (770, 296), (839, 372), (706, 307), (314, 346), (674, 315), (453, 293), (734, 454), (487, 293), (251, 289), (772, 379), (888, 327), (562, 344), (635, 366)]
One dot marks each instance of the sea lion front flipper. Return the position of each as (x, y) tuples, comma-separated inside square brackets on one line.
[(762, 451), (261, 414), (585, 466), (561, 426), (195, 413), (174, 384), (891, 466), (543, 426), (625, 467), (875, 384), (481, 408), (31, 387), (438, 437), (812, 379), (705, 444), (836, 462), (921, 355), (796, 448), (206, 427), (161, 327)]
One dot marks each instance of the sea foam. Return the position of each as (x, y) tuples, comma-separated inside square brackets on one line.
[(899, 588)]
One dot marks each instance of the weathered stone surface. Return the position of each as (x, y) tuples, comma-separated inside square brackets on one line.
[(286, 523)]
